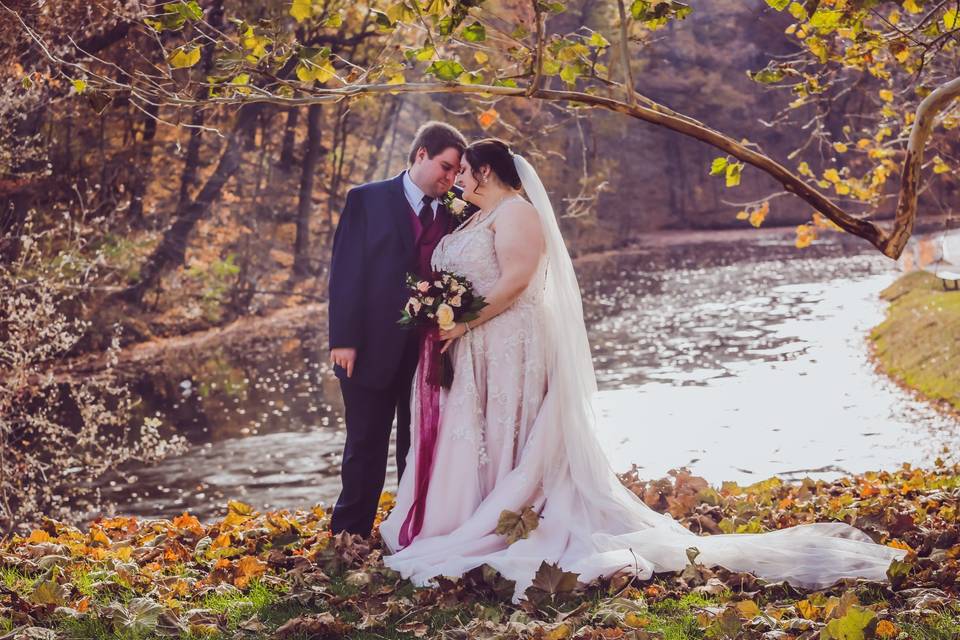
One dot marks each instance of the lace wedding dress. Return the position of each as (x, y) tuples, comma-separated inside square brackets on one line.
[(515, 431)]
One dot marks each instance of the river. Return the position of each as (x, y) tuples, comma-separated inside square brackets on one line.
[(731, 353)]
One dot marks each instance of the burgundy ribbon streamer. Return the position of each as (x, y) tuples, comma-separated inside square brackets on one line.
[(428, 422)]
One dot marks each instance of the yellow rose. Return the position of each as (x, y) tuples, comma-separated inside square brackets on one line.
[(445, 317)]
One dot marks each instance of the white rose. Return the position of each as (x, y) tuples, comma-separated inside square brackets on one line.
[(413, 306), (428, 300), (423, 286), (445, 317), (455, 301)]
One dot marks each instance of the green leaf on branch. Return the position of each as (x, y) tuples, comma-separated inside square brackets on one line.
[(382, 19), (474, 33), (826, 20), (182, 59), (446, 70), (309, 72), (189, 10), (570, 72), (779, 5), (766, 76), (400, 12), (470, 77), (798, 11), (718, 166), (423, 54), (733, 173), (597, 40)]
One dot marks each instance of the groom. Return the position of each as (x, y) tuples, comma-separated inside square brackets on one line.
[(386, 229)]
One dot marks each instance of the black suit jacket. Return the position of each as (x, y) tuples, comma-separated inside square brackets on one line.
[(373, 250)]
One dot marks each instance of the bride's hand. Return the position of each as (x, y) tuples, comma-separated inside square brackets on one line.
[(449, 336)]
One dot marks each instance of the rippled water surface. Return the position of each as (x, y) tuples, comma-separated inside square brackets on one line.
[(740, 359)]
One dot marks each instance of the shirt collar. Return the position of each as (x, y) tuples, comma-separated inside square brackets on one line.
[(414, 193)]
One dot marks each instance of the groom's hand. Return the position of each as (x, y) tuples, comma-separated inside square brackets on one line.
[(345, 357)]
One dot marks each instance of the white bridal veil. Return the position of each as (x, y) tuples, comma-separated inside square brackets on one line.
[(609, 527)]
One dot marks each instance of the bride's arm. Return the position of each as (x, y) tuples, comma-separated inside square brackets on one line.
[(519, 243)]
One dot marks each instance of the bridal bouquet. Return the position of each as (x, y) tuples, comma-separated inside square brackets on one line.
[(439, 303)]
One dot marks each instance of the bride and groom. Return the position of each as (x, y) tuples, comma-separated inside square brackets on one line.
[(515, 429)]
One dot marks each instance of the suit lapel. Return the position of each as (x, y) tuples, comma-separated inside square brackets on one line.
[(399, 211)]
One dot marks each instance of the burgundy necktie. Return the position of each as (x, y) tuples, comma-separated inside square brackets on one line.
[(426, 212)]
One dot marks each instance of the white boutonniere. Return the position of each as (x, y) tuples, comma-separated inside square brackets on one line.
[(458, 208)]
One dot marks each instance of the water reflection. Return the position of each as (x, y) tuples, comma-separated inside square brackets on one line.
[(740, 360)]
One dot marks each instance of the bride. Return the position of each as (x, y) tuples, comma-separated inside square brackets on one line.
[(515, 428)]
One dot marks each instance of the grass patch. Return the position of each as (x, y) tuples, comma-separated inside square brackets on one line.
[(943, 626), (917, 343)]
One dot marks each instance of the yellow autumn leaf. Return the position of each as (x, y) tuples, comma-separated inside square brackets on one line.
[(182, 59), (742, 215), (912, 6), (748, 609), (398, 78), (561, 632), (757, 217), (951, 19), (248, 567), (839, 147), (899, 544), (481, 57), (832, 175), (863, 143), (635, 620), (886, 629), (804, 169), (37, 536), (301, 9), (939, 166), (805, 236), (886, 95)]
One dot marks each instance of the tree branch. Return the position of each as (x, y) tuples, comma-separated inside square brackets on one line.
[(927, 112), (625, 56)]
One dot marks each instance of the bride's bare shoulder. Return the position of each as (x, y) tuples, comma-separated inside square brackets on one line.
[(517, 211)]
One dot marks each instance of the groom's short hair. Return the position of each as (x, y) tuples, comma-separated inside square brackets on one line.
[(436, 137)]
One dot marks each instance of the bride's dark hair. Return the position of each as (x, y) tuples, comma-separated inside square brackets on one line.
[(494, 153)]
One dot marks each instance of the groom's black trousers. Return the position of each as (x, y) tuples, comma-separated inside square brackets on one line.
[(369, 417)]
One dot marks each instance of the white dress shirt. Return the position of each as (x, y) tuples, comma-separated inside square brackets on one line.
[(415, 195)]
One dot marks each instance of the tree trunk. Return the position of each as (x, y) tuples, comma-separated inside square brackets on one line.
[(172, 248), (141, 170), (301, 251), (289, 138), (380, 135)]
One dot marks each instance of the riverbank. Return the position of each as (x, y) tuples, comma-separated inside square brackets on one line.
[(282, 575), (918, 344)]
